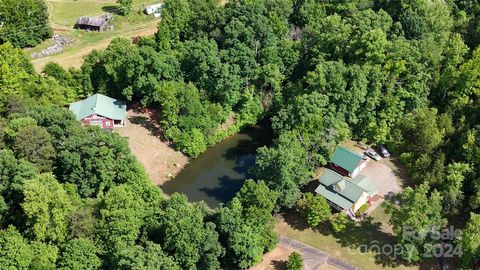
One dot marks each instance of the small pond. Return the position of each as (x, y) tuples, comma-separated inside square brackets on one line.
[(218, 173)]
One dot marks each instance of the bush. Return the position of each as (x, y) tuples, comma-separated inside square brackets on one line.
[(295, 261), (314, 208), (362, 209), (339, 222)]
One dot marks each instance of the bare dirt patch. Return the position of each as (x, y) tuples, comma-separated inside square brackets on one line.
[(144, 138), (275, 259)]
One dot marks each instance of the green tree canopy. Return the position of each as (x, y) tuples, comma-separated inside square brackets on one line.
[(470, 241), (24, 29), (34, 144), (13, 174), (150, 257), (47, 207), (295, 261), (125, 6), (245, 224), (16, 69), (413, 221), (79, 253), (15, 251), (194, 244), (314, 208), (102, 161), (121, 219)]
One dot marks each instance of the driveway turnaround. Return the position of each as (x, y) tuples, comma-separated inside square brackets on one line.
[(313, 258)]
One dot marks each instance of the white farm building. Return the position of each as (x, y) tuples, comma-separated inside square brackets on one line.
[(152, 9)]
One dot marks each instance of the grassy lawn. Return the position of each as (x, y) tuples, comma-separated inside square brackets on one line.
[(65, 12), (349, 245), (63, 15), (85, 42)]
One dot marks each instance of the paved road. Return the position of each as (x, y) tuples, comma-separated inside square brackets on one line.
[(313, 258)]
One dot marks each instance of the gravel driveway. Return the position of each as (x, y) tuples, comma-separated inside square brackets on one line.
[(383, 176), (385, 179)]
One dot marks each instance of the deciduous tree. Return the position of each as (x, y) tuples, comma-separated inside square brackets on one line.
[(295, 261), (34, 144), (21, 30), (121, 219), (46, 206), (418, 215), (314, 208), (78, 254), (470, 242), (125, 6), (15, 251)]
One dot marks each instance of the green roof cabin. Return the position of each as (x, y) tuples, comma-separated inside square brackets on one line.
[(344, 193), (100, 110), (347, 163)]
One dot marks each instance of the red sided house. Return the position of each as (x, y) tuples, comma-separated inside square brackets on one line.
[(100, 110), (347, 163)]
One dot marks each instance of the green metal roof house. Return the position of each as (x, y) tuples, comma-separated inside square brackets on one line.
[(100, 110), (347, 163), (344, 193)]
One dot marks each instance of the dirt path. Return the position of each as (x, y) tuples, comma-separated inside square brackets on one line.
[(158, 158)]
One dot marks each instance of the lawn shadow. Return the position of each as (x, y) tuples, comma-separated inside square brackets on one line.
[(360, 237), (279, 265), (112, 9), (148, 124), (294, 219), (400, 173), (366, 236)]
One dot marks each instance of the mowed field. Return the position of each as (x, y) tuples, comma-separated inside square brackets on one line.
[(63, 15), (66, 12)]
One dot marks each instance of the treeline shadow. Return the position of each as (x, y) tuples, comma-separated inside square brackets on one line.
[(112, 9), (226, 189), (148, 124), (243, 147)]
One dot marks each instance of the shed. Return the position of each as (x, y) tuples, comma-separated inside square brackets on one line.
[(347, 163), (100, 110), (92, 23), (153, 9)]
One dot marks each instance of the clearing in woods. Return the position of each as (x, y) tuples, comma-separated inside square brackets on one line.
[(160, 160), (63, 15)]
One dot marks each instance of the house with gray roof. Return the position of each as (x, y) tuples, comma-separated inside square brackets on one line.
[(100, 110), (344, 193)]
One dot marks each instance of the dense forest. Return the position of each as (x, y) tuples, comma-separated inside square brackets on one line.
[(403, 73)]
